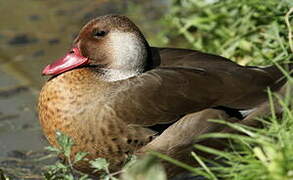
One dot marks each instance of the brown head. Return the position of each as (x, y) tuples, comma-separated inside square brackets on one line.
[(111, 43)]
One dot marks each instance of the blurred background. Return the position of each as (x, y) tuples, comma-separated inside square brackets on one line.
[(33, 33)]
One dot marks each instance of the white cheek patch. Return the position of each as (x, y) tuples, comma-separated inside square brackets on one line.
[(128, 50), (129, 56)]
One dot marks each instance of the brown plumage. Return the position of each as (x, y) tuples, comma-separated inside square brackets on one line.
[(112, 88), (177, 141)]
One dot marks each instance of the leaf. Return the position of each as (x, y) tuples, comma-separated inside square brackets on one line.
[(65, 142), (113, 178), (148, 168), (130, 161), (53, 149), (80, 156), (205, 167), (100, 164), (84, 177), (69, 177), (178, 163), (60, 166)]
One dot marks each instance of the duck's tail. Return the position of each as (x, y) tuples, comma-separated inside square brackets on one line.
[(278, 74)]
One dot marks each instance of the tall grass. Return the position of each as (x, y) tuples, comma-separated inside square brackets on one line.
[(248, 31)]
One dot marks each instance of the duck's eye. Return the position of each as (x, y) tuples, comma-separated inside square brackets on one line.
[(98, 34)]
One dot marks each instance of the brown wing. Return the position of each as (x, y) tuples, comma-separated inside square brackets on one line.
[(249, 78), (163, 94)]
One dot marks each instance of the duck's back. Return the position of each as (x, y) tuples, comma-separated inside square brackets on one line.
[(248, 81)]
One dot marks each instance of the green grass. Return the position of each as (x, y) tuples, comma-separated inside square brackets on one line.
[(248, 31)]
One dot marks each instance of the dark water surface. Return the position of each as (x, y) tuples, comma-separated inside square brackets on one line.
[(34, 33)]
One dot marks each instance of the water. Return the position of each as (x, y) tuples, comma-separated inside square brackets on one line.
[(34, 33)]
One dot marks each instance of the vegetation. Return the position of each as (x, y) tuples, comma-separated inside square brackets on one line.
[(248, 31), (145, 169)]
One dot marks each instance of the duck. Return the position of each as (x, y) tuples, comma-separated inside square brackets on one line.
[(178, 140), (114, 94)]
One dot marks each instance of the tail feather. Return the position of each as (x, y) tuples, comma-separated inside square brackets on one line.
[(276, 72)]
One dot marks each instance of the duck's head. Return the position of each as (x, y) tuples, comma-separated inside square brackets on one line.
[(111, 43)]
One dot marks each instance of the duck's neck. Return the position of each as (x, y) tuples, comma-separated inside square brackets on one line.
[(111, 75)]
